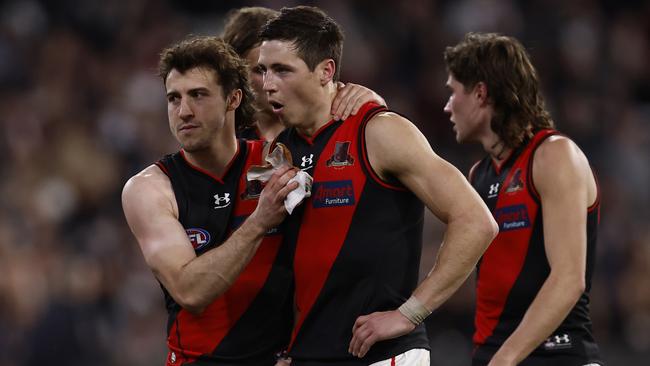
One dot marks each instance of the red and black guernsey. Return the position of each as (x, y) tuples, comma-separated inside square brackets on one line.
[(250, 322), (357, 243), (515, 266)]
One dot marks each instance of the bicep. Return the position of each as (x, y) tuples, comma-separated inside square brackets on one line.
[(162, 239), (410, 159), (558, 175)]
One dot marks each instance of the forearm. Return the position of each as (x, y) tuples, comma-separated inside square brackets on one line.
[(461, 249), (210, 275), (550, 307)]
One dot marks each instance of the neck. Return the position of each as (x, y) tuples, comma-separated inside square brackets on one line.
[(497, 149), (320, 113), (269, 125), (216, 157)]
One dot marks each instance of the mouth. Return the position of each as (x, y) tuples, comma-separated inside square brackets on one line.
[(276, 107), (187, 127)]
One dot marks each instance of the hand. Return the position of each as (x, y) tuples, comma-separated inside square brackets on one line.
[(270, 209), (349, 99), (378, 326), (283, 362)]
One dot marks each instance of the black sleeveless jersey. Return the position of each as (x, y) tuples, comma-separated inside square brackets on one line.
[(514, 267), (250, 322), (357, 243)]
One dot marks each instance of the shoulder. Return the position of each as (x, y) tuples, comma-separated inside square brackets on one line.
[(391, 126), (558, 150), (151, 185), (558, 163)]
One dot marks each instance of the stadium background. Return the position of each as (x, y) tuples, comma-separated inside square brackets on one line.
[(81, 111)]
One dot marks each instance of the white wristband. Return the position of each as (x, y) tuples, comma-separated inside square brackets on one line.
[(414, 311)]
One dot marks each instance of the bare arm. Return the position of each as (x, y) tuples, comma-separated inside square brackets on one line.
[(349, 99), (566, 187), (446, 192), (194, 282)]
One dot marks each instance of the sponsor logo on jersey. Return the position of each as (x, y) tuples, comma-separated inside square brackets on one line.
[(198, 237), (516, 184), (332, 194), (341, 156), (558, 341), (307, 162), (221, 201), (512, 217), (494, 190)]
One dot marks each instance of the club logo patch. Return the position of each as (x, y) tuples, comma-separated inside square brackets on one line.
[(512, 217), (516, 184), (332, 194), (253, 190), (198, 237), (341, 155)]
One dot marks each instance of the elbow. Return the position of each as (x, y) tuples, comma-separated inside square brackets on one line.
[(489, 229), (192, 304)]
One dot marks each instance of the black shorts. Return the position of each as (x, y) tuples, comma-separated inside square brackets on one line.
[(581, 352)]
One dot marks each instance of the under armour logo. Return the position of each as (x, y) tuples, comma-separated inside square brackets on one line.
[(494, 189), (562, 339), (307, 160), (221, 202)]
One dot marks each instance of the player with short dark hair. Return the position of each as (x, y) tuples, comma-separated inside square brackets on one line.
[(358, 238), (242, 33)]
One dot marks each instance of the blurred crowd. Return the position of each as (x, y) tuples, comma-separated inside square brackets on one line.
[(81, 110)]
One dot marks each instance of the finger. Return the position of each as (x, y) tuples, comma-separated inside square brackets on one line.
[(359, 322), (358, 339), (284, 192), (338, 104), (281, 181), (365, 346), (276, 175), (359, 97)]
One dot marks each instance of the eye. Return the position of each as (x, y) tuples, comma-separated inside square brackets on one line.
[(173, 98), (257, 70)]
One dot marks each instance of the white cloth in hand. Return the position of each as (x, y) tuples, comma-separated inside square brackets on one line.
[(279, 157)]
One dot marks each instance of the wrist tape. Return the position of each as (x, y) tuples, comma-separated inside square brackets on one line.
[(414, 311)]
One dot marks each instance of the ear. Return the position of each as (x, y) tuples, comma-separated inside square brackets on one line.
[(481, 93), (233, 100), (326, 70)]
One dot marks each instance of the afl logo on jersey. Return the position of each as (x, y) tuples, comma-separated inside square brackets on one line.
[(198, 237)]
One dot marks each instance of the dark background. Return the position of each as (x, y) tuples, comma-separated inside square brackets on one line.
[(81, 111)]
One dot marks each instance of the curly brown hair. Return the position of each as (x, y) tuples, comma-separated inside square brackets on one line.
[(502, 63), (212, 53)]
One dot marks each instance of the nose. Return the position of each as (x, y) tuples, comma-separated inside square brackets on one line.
[(447, 108), (268, 83), (185, 110)]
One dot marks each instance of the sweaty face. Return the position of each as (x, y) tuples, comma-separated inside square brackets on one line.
[(293, 91), (196, 107), (465, 111), (257, 81)]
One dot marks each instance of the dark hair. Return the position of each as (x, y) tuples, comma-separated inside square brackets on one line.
[(215, 54), (504, 66), (315, 35), (243, 26)]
